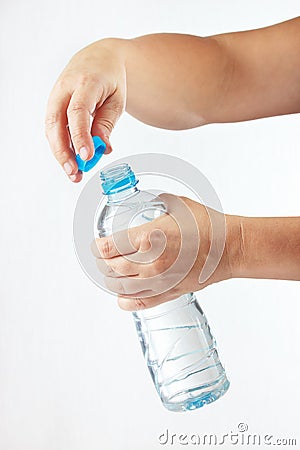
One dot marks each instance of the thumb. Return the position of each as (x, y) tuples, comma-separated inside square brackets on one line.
[(106, 117)]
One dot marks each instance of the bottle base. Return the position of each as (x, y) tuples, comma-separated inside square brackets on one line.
[(198, 402)]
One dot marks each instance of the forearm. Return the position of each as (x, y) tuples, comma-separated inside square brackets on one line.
[(178, 81), (266, 247)]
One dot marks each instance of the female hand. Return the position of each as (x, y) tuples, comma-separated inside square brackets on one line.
[(88, 98), (185, 250)]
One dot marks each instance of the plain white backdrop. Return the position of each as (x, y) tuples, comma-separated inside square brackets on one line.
[(72, 375)]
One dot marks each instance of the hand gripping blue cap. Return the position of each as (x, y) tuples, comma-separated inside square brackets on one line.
[(100, 147)]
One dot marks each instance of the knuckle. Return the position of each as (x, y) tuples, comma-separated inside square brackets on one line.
[(76, 107), (157, 237), (51, 121), (61, 83), (79, 135), (144, 236), (144, 240), (117, 107), (107, 123), (184, 199), (124, 267), (59, 153), (187, 201), (139, 303), (88, 78), (105, 248)]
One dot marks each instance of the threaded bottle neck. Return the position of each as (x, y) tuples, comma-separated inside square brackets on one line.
[(117, 179)]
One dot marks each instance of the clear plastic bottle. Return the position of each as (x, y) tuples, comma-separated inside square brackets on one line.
[(175, 337)]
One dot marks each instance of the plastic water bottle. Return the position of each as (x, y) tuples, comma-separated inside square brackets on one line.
[(175, 337)]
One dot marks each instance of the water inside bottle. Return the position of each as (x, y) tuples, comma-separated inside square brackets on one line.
[(181, 356)]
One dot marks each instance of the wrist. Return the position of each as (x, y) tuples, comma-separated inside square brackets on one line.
[(108, 53), (269, 248), (117, 47), (235, 250)]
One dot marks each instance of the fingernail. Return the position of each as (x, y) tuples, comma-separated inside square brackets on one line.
[(84, 153), (68, 168), (72, 177)]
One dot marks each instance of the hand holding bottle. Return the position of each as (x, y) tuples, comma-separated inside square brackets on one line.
[(251, 250), (163, 259)]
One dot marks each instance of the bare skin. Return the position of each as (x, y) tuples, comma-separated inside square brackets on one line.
[(224, 78)]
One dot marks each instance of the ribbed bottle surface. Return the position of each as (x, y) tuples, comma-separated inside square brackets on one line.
[(181, 354), (175, 337)]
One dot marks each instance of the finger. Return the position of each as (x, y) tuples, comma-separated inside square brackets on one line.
[(129, 286), (144, 243), (120, 243), (105, 139), (79, 112), (105, 269), (118, 266), (132, 304), (76, 178), (137, 303), (106, 117), (56, 130)]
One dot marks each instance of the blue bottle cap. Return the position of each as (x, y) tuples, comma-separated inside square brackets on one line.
[(100, 147)]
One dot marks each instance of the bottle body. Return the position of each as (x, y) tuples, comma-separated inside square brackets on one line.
[(175, 337), (181, 354)]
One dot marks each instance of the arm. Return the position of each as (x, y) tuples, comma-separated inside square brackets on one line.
[(180, 81), (173, 81)]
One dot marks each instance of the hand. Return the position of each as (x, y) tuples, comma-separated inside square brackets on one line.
[(89, 96), (161, 260)]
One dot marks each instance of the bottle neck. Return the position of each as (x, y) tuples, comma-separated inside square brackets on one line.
[(118, 182), (123, 195)]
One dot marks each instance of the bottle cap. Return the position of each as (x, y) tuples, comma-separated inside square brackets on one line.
[(100, 147)]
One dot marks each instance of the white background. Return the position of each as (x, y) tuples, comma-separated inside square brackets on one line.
[(72, 375)]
